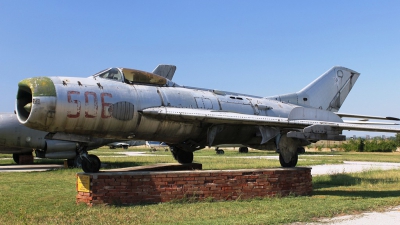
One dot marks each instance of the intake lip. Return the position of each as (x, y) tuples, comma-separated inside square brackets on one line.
[(28, 89)]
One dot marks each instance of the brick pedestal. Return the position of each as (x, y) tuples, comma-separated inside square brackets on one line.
[(163, 186)]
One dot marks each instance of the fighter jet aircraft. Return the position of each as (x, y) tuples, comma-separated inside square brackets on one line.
[(21, 141), (125, 144), (123, 103)]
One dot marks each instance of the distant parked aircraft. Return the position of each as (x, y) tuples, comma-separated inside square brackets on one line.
[(125, 144), (21, 142)]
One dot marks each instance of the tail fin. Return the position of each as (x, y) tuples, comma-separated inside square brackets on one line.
[(166, 71), (327, 92)]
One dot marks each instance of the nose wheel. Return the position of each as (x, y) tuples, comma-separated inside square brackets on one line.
[(91, 164)]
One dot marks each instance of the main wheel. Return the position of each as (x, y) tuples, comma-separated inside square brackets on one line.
[(243, 150), (16, 158), (183, 156), (92, 165), (292, 163), (220, 151)]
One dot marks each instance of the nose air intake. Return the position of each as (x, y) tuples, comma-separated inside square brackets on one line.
[(30, 96)]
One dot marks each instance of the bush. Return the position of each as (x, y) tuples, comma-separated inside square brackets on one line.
[(374, 145)]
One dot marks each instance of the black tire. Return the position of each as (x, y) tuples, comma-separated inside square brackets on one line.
[(16, 158), (75, 162), (183, 157), (301, 150), (220, 152), (243, 150), (292, 163), (70, 163), (92, 166)]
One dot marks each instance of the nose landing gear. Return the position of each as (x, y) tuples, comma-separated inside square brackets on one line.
[(90, 163)]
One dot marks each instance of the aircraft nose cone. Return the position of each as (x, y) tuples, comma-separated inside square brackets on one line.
[(28, 107)]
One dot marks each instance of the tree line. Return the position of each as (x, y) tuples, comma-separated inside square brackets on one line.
[(376, 144)]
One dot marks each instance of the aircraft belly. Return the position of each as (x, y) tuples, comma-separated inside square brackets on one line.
[(245, 135), (167, 131)]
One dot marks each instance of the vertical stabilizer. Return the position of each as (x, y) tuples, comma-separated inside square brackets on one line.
[(166, 71), (327, 92)]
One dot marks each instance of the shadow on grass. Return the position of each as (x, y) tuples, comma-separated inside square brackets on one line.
[(349, 180), (115, 165), (355, 193), (344, 180)]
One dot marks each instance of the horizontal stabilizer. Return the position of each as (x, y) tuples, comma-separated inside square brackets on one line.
[(368, 122), (367, 117)]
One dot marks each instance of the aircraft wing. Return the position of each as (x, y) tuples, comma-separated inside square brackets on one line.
[(224, 117)]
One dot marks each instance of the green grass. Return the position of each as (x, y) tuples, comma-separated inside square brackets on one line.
[(49, 197)]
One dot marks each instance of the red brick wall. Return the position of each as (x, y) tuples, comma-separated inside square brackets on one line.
[(153, 187)]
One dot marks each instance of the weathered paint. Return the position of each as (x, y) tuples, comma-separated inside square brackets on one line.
[(137, 76), (39, 86)]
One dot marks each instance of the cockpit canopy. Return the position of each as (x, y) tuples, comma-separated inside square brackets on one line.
[(131, 76)]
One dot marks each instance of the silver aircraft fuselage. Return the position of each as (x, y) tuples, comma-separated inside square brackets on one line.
[(121, 103), (112, 109)]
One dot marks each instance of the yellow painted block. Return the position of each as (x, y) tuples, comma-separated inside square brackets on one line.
[(83, 183)]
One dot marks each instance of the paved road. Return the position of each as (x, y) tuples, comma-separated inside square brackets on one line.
[(30, 168), (389, 217), (352, 167)]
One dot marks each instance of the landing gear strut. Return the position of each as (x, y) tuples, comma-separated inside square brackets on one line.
[(90, 163), (75, 162)]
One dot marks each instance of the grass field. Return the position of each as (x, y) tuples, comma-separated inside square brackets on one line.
[(49, 197)]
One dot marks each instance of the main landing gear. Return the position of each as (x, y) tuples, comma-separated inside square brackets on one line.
[(90, 163), (182, 156), (289, 150), (291, 163), (243, 150), (219, 151), (75, 162)]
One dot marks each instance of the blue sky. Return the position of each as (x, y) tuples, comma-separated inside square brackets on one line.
[(256, 47)]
